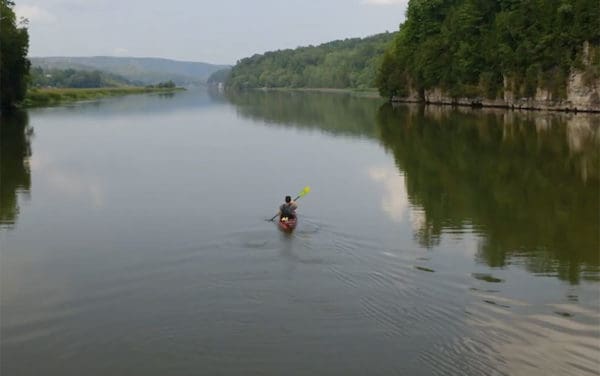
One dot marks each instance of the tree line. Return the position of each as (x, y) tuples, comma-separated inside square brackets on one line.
[(470, 47), (349, 63), (72, 78), (79, 79), (467, 48)]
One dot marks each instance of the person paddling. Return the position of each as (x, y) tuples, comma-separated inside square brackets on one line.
[(288, 209)]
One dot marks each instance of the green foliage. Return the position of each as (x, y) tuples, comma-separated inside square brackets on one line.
[(14, 66), (467, 47), (163, 85), (219, 76), (71, 78), (84, 79), (350, 63)]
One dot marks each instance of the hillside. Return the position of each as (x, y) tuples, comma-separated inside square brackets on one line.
[(146, 71), (534, 53), (349, 63), (71, 78)]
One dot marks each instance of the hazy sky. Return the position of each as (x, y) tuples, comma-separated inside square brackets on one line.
[(212, 31)]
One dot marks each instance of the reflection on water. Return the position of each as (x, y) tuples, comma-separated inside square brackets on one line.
[(434, 241), (335, 114), (527, 183), (15, 151)]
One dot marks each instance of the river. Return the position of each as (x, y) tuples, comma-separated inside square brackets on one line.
[(434, 241)]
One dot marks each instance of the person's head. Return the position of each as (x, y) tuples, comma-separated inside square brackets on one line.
[(288, 199)]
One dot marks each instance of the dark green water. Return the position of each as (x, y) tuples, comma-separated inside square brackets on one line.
[(434, 241)]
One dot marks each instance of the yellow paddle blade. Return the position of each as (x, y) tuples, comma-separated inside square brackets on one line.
[(305, 191)]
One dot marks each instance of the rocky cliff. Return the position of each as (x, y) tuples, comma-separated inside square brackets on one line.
[(582, 93)]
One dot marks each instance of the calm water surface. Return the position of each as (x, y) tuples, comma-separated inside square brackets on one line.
[(434, 242)]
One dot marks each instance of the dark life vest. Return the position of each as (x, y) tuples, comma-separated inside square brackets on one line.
[(287, 210)]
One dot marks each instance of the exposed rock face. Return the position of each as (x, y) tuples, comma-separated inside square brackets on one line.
[(582, 95)]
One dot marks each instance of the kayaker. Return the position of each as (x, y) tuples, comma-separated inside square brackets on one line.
[(288, 209)]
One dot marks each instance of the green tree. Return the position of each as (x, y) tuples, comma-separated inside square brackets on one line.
[(467, 47), (350, 63), (14, 65)]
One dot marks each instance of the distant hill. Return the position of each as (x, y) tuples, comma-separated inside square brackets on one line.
[(72, 78), (143, 70)]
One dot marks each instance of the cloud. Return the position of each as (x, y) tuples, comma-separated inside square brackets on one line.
[(34, 13), (395, 201), (69, 183)]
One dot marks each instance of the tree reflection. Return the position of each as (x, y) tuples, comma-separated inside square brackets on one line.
[(335, 114), (527, 183), (15, 150)]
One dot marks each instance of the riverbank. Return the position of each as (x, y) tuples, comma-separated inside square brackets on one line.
[(521, 104), (581, 95), (367, 93), (54, 96), (437, 98)]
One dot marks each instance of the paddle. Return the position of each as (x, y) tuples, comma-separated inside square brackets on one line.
[(302, 193)]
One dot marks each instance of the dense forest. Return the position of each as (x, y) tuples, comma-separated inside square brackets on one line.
[(469, 47), (14, 65), (350, 63)]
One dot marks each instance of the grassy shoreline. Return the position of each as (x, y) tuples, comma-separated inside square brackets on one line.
[(55, 96)]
